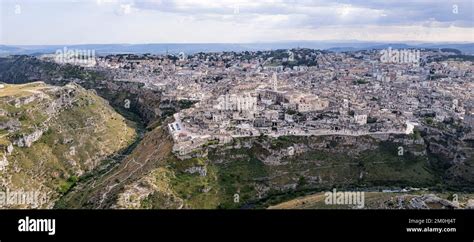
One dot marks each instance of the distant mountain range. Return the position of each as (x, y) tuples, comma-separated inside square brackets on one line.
[(174, 48)]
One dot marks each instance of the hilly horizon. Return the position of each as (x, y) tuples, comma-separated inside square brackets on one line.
[(173, 48)]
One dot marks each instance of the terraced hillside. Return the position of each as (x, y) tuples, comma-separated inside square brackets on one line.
[(50, 136)]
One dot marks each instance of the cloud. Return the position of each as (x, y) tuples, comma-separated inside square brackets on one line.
[(104, 2), (317, 13), (230, 21), (125, 9)]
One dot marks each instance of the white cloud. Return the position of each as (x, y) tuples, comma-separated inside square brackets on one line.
[(324, 12), (148, 21), (125, 8), (102, 2)]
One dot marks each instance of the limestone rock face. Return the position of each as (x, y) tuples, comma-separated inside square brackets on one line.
[(3, 157), (428, 201), (9, 149), (470, 204), (11, 125), (51, 135), (3, 162), (27, 140), (201, 170)]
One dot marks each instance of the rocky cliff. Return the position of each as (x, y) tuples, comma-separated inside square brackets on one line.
[(50, 136), (259, 172), (47, 139), (129, 97)]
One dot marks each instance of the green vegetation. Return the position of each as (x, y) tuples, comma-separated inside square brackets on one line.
[(242, 172), (185, 104), (429, 120), (68, 184), (74, 139), (371, 120), (360, 82)]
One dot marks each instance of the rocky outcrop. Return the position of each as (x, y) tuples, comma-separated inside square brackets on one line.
[(27, 140), (453, 152), (3, 162), (470, 204), (61, 133), (130, 96), (201, 170), (11, 125), (154, 184), (10, 149), (430, 201)]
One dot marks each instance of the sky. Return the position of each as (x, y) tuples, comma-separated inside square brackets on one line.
[(59, 22)]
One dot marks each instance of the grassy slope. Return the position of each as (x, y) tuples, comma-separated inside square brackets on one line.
[(144, 156), (78, 137), (241, 171)]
